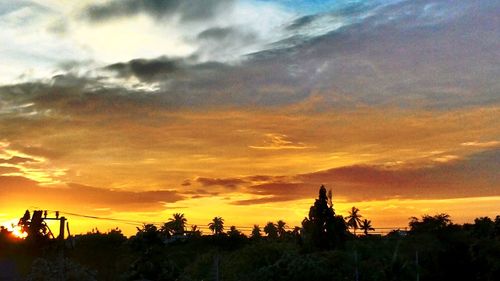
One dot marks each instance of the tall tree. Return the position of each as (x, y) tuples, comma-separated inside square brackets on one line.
[(366, 225), (256, 232), (322, 228), (429, 223), (281, 225), (217, 225), (178, 223), (271, 230), (354, 219)]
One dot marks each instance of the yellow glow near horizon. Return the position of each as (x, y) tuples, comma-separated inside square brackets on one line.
[(393, 213), (16, 230)]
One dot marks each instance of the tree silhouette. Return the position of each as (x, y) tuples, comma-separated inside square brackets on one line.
[(217, 225), (177, 223), (146, 238), (354, 219), (195, 231), (271, 230), (256, 232), (281, 225), (497, 226), (233, 232), (366, 225), (323, 228), (429, 223)]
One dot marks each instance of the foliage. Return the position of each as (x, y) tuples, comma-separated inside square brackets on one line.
[(46, 270), (354, 219), (280, 227), (366, 225), (256, 232), (434, 248), (271, 230), (217, 225), (429, 224), (175, 226), (323, 229)]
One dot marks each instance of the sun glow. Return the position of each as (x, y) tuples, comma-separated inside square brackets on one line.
[(15, 230)]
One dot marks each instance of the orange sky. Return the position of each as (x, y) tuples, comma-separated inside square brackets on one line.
[(252, 166), (242, 109)]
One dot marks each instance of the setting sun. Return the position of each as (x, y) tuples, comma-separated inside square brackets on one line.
[(13, 228)]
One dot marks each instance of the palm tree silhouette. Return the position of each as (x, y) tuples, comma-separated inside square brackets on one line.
[(354, 219), (366, 225), (281, 228), (256, 232), (175, 225), (178, 223), (217, 225), (271, 230)]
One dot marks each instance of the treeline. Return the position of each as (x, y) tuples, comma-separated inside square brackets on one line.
[(433, 248)]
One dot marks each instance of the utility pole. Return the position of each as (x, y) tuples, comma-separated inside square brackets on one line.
[(36, 222), (62, 226)]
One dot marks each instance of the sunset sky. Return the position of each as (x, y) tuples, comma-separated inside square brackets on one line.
[(242, 109)]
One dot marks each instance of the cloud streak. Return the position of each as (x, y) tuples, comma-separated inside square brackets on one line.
[(186, 10), (475, 176), (20, 190)]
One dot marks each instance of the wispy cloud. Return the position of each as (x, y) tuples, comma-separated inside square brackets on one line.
[(280, 141), (481, 144)]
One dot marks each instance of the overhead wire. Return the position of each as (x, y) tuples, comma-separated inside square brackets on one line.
[(141, 223)]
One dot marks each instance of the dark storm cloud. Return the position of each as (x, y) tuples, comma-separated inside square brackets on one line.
[(69, 94), (146, 70), (160, 69), (232, 34), (216, 33), (424, 53), (414, 52), (186, 10)]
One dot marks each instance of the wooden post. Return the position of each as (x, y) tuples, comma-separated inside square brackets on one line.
[(62, 226)]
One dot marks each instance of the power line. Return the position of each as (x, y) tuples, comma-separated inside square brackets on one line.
[(200, 226)]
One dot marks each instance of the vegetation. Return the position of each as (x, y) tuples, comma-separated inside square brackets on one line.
[(217, 225), (366, 225), (354, 219), (434, 248)]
